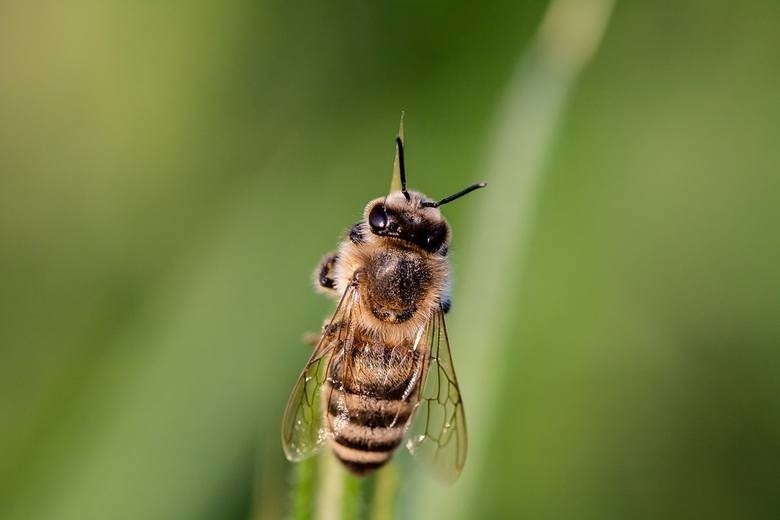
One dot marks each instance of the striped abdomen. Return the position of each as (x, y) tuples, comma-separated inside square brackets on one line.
[(370, 395)]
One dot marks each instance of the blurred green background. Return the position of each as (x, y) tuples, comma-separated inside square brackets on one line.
[(171, 173)]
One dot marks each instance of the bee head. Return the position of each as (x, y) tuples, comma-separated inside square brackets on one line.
[(411, 216), (394, 217)]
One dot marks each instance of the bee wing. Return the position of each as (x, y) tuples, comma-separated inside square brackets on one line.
[(303, 431), (437, 435)]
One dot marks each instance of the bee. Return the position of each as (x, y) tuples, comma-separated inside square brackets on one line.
[(381, 371)]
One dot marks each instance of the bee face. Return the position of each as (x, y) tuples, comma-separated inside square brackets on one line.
[(396, 218)]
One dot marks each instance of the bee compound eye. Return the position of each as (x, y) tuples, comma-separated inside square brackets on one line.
[(377, 218), (435, 238)]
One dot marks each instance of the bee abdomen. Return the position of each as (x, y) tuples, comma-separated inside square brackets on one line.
[(364, 438), (360, 468), (362, 449), (366, 430), (369, 396)]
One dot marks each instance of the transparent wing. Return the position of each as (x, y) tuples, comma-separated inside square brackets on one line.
[(303, 431), (437, 435)]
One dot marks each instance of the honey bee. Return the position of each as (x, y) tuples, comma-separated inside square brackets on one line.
[(382, 371)]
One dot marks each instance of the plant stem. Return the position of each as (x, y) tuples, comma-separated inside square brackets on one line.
[(331, 486), (352, 498), (385, 490), (303, 489)]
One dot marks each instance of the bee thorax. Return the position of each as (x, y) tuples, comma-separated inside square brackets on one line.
[(397, 284)]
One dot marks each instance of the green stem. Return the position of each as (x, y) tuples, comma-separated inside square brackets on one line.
[(331, 485), (304, 480), (385, 490), (339, 494), (352, 499)]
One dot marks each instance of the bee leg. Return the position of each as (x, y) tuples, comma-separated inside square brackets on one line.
[(324, 273), (311, 339), (356, 234), (446, 304), (329, 328)]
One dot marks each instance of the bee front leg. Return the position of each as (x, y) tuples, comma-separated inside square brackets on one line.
[(311, 339), (323, 275), (329, 328)]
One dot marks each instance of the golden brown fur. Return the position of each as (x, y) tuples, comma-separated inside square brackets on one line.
[(353, 258), (385, 351), (372, 388)]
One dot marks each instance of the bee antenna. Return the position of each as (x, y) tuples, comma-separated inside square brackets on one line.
[(445, 200), (401, 168)]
